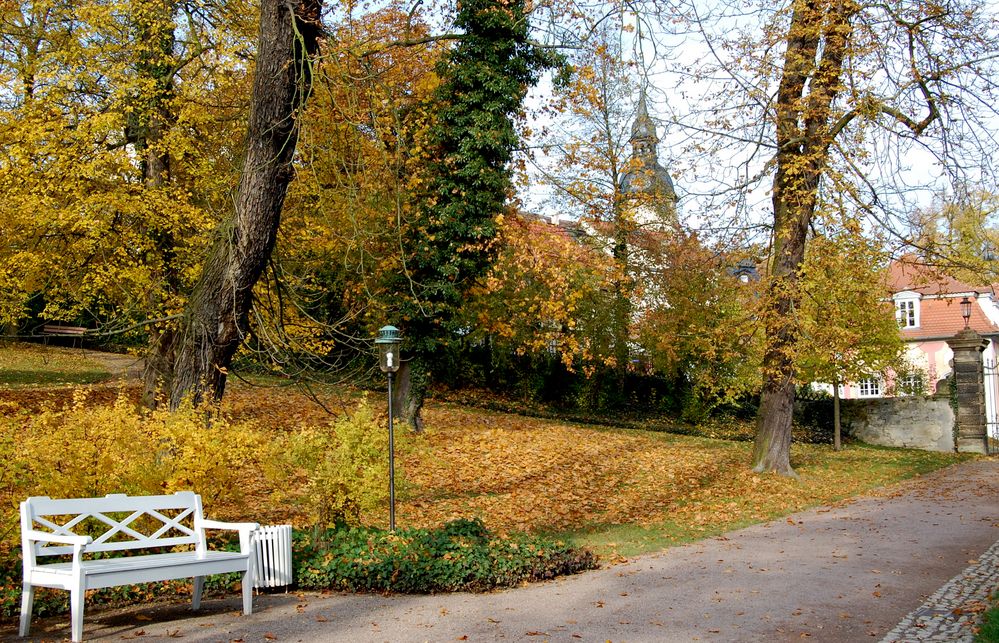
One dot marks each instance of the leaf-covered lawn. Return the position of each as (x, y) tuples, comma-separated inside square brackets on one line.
[(622, 490), (618, 490), (33, 365)]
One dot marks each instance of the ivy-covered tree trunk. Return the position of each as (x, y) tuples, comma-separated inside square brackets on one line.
[(216, 319), (149, 124), (623, 295), (817, 42), (464, 181)]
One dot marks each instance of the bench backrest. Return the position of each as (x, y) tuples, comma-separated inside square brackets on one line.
[(116, 522), (55, 329)]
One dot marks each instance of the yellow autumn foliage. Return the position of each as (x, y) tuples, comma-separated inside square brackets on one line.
[(321, 472)]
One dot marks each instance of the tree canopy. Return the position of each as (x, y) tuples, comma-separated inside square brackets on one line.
[(204, 178)]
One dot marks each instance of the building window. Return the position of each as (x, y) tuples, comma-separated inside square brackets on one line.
[(911, 384), (870, 387), (907, 312)]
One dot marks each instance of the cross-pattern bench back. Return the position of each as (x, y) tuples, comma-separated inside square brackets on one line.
[(116, 522)]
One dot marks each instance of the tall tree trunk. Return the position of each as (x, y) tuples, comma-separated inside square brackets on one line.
[(817, 41), (410, 392), (622, 307), (216, 319), (148, 126), (837, 431)]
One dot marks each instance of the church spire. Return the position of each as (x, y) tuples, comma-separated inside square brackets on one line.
[(643, 130)]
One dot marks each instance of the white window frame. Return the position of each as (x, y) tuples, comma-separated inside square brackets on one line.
[(869, 387), (907, 312), (909, 384)]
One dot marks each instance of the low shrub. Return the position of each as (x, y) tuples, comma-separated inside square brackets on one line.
[(342, 469), (460, 556)]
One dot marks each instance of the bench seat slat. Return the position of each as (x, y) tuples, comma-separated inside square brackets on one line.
[(110, 565), (157, 567)]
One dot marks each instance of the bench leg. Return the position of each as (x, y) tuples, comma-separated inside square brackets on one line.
[(199, 586), (76, 599), (247, 583), (27, 603)]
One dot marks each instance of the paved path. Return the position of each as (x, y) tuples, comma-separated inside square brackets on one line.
[(845, 573), (951, 613)]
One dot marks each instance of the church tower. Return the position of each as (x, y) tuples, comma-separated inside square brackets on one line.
[(647, 182)]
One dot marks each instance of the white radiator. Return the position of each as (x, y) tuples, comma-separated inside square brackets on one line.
[(273, 547)]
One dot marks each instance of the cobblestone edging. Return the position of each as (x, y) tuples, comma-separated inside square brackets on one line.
[(951, 613)]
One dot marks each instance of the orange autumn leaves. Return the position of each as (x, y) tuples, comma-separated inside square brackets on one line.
[(541, 293), (527, 474)]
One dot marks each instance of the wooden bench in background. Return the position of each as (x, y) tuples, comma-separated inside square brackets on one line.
[(116, 523), (75, 333)]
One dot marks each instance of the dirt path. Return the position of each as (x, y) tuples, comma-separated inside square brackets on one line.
[(844, 573), (118, 364)]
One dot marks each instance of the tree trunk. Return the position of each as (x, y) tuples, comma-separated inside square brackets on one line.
[(216, 319), (622, 307), (837, 434), (772, 450), (149, 124), (410, 392), (817, 42)]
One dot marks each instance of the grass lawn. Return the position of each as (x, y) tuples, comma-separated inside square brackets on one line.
[(989, 630), (618, 491), (25, 365)]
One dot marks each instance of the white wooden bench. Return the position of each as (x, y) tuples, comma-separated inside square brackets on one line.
[(157, 525)]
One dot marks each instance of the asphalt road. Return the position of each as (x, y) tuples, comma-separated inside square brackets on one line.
[(844, 573)]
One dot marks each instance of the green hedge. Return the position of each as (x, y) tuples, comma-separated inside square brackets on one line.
[(460, 556)]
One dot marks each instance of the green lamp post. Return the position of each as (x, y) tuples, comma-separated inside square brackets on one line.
[(388, 342)]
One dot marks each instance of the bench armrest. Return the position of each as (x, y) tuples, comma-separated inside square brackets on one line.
[(232, 526), (45, 537), (245, 530)]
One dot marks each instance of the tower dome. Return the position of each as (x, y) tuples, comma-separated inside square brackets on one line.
[(646, 176)]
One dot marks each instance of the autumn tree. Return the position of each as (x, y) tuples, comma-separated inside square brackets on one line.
[(697, 324), (600, 161), (116, 133), (461, 191), (820, 101), (340, 241), (831, 49), (958, 232), (847, 319), (216, 317), (544, 296), (584, 163)]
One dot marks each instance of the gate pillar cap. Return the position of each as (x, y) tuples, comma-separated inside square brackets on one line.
[(967, 340)]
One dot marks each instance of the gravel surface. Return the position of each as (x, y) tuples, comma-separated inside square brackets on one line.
[(852, 572)]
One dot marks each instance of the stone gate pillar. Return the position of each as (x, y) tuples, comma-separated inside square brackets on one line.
[(969, 377)]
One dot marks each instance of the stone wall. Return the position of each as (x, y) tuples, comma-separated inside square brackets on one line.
[(915, 422)]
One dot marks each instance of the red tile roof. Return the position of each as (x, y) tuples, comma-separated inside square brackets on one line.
[(908, 273), (940, 305), (940, 318)]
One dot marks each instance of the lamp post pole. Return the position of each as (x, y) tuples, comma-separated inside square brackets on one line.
[(391, 457), (388, 342)]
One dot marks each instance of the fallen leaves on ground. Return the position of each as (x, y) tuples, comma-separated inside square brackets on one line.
[(530, 474)]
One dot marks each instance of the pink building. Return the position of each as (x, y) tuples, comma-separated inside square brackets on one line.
[(928, 309)]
